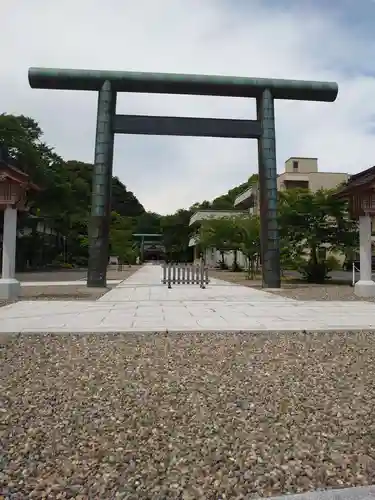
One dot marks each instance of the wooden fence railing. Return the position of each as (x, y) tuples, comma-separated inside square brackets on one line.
[(185, 274)]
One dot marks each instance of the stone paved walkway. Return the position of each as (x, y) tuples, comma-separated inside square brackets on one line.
[(142, 303), (359, 493)]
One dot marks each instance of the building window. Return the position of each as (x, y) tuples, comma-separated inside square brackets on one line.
[(295, 166)]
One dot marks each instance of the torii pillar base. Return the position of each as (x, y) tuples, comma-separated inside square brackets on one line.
[(364, 289), (10, 289)]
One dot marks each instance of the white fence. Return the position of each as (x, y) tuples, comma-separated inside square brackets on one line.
[(185, 274)]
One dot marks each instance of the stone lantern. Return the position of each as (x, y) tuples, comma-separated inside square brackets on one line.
[(360, 193), (14, 185)]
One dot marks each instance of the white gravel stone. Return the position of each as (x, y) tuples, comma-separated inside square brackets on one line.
[(320, 292), (185, 415)]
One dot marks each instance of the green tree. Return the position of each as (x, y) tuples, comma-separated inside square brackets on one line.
[(224, 234), (64, 202), (250, 241), (176, 235), (124, 202), (314, 224), (121, 239), (148, 223)]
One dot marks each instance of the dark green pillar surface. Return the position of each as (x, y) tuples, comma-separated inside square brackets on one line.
[(111, 148), (142, 248), (268, 192), (101, 189)]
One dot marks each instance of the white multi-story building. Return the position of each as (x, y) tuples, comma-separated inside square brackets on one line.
[(298, 173)]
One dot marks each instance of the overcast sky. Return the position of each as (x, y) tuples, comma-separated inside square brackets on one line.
[(297, 39)]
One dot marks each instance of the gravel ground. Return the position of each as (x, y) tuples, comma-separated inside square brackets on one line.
[(297, 291), (74, 274), (65, 292), (320, 292), (185, 416), (68, 292)]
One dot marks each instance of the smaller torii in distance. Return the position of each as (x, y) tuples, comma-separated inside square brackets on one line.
[(143, 237), (109, 83)]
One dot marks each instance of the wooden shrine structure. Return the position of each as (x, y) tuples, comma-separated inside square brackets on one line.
[(359, 190), (14, 186)]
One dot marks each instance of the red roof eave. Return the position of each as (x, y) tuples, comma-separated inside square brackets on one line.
[(20, 178)]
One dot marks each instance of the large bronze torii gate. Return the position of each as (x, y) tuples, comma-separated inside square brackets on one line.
[(108, 83)]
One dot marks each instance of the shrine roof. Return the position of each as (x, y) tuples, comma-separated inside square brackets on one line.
[(13, 173), (12, 169), (357, 183)]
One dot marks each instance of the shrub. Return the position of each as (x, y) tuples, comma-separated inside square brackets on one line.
[(129, 256), (236, 268), (66, 265), (222, 265), (333, 263), (315, 272), (80, 262)]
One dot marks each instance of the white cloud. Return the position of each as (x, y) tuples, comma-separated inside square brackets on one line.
[(190, 36)]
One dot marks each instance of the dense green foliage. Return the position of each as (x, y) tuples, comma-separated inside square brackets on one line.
[(64, 206), (314, 229)]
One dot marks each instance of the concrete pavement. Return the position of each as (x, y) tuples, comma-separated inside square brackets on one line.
[(142, 303), (358, 493)]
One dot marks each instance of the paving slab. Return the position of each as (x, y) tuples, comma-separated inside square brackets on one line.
[(358, 493), (145, 285), (142, 304)]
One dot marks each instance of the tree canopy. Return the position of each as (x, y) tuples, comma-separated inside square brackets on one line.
[(313, 227), (64, 204)]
